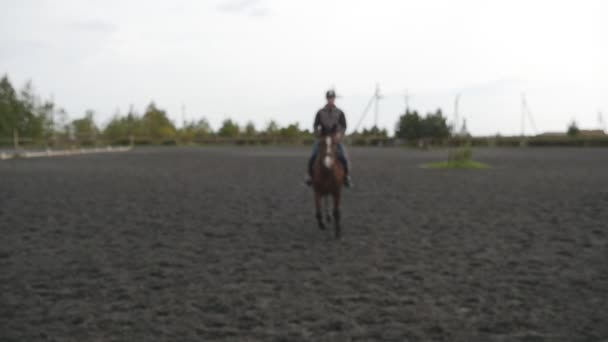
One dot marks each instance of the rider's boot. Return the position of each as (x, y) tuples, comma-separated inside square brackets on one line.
[(348, 181), (308, 177), (308, 180)]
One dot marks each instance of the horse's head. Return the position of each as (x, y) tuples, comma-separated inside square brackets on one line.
[(327, 150)]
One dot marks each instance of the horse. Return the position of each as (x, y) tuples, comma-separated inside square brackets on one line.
[(327, 180)]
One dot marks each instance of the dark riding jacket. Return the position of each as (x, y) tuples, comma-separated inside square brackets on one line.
[(329, 119)]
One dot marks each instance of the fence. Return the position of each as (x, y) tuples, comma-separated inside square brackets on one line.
[(24, 147), (55, 143), (27, 143)]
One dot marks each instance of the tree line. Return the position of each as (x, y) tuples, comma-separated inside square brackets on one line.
[(24, 113), (27, 115), (413, 127)]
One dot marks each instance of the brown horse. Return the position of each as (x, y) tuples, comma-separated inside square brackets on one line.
[(327, 180)]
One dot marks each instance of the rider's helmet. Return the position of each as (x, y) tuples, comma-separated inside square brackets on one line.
[(330, 94)]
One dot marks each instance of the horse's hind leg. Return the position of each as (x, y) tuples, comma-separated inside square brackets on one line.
[(318, 209), (327, 209), (337, 224)]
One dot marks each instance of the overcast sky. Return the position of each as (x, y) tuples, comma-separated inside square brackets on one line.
[(269, 59)]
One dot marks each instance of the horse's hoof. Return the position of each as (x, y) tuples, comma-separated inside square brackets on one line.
[(328, 218), (321, 226)]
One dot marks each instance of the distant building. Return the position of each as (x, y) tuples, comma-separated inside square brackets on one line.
[(591, 133), (552, 134)]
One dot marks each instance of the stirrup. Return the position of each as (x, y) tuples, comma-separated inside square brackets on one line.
[(308, 180), (348, 182)]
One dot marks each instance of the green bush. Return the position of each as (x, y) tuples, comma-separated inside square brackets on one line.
[(460, 154), (458, 158)]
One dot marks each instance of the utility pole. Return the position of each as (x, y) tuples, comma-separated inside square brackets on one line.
[(378, 97), (372, 101), (464, 130), (407, 101), (456, 114), (523, 114), (525, 111)]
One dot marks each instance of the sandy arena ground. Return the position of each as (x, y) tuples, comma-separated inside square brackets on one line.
[(205, 244)]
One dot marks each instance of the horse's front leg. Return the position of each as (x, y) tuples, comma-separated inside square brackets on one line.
[(337, 227), (318, 209)]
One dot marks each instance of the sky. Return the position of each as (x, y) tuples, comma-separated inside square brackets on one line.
[(257, 60)]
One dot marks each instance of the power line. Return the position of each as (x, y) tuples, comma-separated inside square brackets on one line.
[(525, 112), (369, 104), (374, 100)]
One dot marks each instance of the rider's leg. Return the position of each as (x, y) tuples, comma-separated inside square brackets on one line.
[(342, 158), (311, 160)]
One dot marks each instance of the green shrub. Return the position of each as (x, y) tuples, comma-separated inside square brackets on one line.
[(459, 158), (460, 154)]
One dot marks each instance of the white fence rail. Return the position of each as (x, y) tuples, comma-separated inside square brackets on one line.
[(58, 153)]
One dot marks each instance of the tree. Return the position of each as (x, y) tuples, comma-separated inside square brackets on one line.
[(116, 128), (250, 130), (409, 126), (573, 129), (202, 128), (435, 126), (85, 127), (156, 124), (8, 107), (272, 128), (47, 113), (21, 112), (291, 131), (412, 127), (134, 124), (120, 128), (62, 125), (229, 129), (29, 123), (195, 129), (374, 132)]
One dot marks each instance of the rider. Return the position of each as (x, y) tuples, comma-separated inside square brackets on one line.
[(330, 119)]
